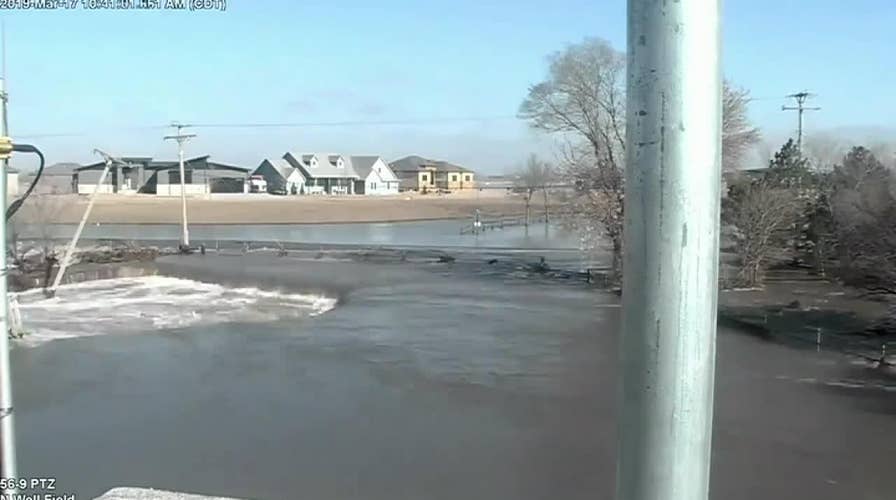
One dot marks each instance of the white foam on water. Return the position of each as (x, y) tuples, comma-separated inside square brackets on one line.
[(132, 305)]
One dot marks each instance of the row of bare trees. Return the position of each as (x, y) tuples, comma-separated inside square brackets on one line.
[(582, 103), (827, 208)]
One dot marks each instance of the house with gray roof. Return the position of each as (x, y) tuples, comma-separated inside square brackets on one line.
[(375, 177), (280, 175), (325, 173)]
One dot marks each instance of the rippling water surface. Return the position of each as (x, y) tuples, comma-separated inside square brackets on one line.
[(278, 378)]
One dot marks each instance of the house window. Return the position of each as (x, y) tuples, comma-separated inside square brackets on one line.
[(467, 178), (453, 177), (424, 178)]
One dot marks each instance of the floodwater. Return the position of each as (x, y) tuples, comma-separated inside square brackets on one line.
[(280, 378), (439, 233)]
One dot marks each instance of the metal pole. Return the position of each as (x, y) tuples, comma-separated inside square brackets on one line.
[(7, 427), (670, 281), (183, 191), (74, 243)]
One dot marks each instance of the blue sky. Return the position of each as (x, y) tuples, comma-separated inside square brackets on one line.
[(110, 75)]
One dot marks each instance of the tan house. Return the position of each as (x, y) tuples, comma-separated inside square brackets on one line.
[(420, 174)]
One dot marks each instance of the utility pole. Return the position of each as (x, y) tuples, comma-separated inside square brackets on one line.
[(181, 138), (7, 427), (800, 108), (109, 160), (670, 280)]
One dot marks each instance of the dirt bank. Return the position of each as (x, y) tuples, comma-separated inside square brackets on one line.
[(268, 209)]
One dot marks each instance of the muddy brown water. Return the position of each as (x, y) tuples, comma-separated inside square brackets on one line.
[(422, 382)]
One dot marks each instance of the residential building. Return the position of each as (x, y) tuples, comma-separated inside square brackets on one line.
[(374, 176), (279, 174), (162, 178), (424, 175), (325, 173)]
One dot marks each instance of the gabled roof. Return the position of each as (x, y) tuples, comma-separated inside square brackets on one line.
[(415, 163), (281, 166), (363, 165), (326, 165)]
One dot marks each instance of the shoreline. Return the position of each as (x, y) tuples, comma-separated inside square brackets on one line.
[(259, 209), (263, 223)]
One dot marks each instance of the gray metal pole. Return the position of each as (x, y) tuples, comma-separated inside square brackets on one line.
[(7, 427), (670, 282)]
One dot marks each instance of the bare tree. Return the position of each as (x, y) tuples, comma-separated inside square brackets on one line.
[(583, 102), (738, 135), (762, 212), (38, 221), (532, 178)]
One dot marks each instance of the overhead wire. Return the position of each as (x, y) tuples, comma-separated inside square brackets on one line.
[(309, 124)]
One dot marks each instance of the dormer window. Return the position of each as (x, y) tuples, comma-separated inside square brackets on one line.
[(339, 163)]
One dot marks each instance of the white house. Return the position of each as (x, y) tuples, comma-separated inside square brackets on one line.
[(279, 174), (325, 173), (374, 176)]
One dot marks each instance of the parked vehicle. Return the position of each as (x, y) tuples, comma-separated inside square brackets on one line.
[(279, 191), (257, 184)]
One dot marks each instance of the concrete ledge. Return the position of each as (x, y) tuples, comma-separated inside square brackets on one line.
[(149, 494)]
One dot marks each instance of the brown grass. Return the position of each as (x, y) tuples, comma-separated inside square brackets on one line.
[(268, 209)]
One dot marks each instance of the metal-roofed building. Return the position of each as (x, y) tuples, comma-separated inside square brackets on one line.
[(147, 176)]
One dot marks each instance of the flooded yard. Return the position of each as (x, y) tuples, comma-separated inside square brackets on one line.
[(415, 382)]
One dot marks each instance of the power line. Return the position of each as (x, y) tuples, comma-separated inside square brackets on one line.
[(411, 121), (262, 125), (769, 98)]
